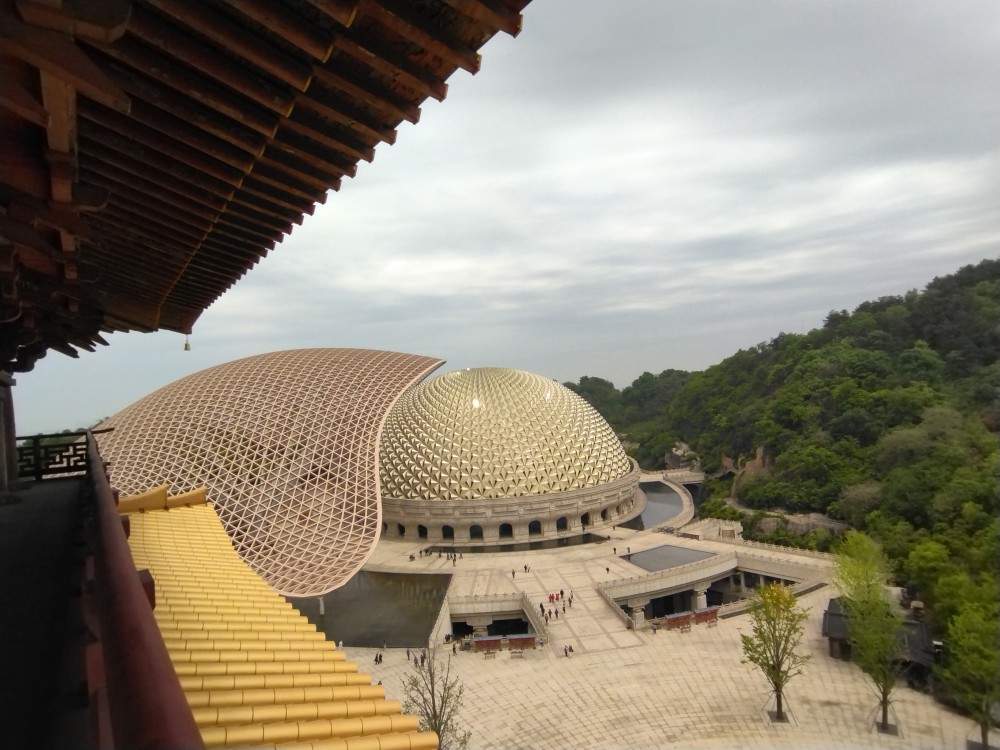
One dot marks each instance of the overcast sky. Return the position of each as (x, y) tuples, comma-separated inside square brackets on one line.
[(624, 187)]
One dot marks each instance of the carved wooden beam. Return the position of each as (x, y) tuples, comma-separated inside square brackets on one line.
[(161, 68), (492, 12), (289, 26), (168, 38), (130, 137), (17, 99), (390, 63), (403, 20), (342, 11), (346, 115), (104, 21), (307, 127), (56, 54), (220, 28), (368, 91)]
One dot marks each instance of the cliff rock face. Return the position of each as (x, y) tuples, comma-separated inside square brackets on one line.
[(800, 523)]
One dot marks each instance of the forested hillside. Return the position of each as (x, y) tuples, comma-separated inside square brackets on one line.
[(886, 417)]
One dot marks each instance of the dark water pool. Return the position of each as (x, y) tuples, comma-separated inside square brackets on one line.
[(375, 608), (666, 556), (662, 504)]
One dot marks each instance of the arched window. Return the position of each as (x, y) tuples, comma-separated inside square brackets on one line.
[(562, 524), (534, 528), (506, 531), (400, 529), (585, 520), (447, 532), (422, 531), (604, 514), (475, 532)]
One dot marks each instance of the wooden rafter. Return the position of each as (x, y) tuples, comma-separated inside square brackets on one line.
[(155, 150)]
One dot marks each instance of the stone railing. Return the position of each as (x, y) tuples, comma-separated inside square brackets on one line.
[(486, 604), (774, 548), (622, 615), (536, 620), (738, 607), (442, 625), (678, 575)]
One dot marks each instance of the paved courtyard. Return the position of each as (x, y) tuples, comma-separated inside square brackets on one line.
[(628, 689)]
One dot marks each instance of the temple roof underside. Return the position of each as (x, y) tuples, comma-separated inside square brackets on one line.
[(155, 150)]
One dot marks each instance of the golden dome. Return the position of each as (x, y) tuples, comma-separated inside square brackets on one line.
[(495, 433)]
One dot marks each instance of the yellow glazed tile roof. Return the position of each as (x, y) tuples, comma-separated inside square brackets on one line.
[(255, 671)]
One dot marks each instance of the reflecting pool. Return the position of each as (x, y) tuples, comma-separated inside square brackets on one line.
[(662, 504), (665, 556), (397, 609)]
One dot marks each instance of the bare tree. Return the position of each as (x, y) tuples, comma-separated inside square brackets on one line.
[(777, 630), (431, 694)]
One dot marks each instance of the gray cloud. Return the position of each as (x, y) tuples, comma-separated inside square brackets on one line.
[(626, 187)]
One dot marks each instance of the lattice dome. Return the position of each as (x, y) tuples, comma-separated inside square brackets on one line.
[(287, 445), (495, 433)]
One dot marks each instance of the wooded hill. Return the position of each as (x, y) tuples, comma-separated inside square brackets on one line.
[(886, 417)]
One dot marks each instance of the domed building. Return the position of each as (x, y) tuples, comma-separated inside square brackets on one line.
[(286, 444), (495, 456)]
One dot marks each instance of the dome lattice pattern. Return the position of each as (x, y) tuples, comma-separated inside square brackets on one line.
[(495, 433), (286, 444)]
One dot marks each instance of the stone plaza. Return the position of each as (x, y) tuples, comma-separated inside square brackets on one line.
[(623, 688)]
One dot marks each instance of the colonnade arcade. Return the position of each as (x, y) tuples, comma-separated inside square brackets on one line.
[(509, 520)]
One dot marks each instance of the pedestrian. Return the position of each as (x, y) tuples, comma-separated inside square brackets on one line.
[(513, 573), (453, 562), (380, 682), (550, 611), (407, 654), (630, 550), (384, 645), (564, 608), (546, 618), (454, 648), (557, 613), (561, 594), (423, 659), (607, 570), (614, 550), (566, 651), (416, 662), (340, 644), (571, 601)]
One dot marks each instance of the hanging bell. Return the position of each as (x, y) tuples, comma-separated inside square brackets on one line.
[(187, 344)]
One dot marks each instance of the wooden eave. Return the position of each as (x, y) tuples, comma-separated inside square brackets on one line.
[(156, 150)]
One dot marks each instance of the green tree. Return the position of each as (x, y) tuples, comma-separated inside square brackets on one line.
[(874, 623), (972, 667), (430, 693), (777, 630)]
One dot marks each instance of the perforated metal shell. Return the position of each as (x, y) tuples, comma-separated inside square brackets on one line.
[(287, 445), (495, 433)]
